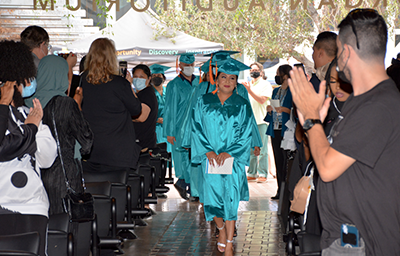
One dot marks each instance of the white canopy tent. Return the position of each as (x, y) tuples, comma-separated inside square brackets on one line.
[(135, 41)]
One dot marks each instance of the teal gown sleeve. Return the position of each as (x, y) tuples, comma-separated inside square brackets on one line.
[(187, 125), (170, 110), (160, 114)]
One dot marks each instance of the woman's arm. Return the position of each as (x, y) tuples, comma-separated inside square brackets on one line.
[(46, 147), (259, 98), (143, 115)]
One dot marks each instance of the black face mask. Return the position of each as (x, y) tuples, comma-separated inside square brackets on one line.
[(341, 74), (157, 81), (255, 74), (278, 80)]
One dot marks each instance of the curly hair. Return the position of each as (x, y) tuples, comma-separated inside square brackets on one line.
[(101, 61), (16, 62), (33, 36)]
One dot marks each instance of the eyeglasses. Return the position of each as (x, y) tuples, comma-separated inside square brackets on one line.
[(353, 16), (48, 46)]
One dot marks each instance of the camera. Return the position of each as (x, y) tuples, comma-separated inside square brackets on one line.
[(64, 55)]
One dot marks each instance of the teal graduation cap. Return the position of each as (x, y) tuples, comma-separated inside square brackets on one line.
[(217, 58), (221, 53), (158, 69), (232, 67), (187, 58)]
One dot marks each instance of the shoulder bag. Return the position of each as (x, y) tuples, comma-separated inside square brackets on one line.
[(79, 206)]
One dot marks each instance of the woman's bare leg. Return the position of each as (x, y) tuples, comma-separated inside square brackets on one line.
[(222, 233), (230, 229)]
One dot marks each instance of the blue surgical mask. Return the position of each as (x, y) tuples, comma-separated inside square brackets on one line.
[(28, 91), (139, 83)]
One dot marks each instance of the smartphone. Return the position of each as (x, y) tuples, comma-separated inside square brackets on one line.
[(64, 55), (123, 68), (349, 236), (300, 65)]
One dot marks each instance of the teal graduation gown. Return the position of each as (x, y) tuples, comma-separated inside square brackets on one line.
[(177, 99), (159, 127), (203, 88), (222, 128)]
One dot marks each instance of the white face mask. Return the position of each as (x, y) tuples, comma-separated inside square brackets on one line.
[(139, 83), (188, 71)]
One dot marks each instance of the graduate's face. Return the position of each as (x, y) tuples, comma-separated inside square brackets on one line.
[(226, 83)]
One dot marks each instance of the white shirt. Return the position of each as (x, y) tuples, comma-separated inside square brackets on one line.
[(261, 88)]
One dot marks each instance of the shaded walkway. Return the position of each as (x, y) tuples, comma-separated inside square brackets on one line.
[(179, 227)]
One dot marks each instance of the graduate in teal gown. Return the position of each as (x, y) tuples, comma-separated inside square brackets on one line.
[(157, 81), (177, 99), (221, 129), (217, 59)]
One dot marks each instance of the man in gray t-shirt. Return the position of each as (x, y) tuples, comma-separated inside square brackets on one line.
[(359, 171)]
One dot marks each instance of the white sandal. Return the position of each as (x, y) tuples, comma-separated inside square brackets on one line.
[(218, 243)]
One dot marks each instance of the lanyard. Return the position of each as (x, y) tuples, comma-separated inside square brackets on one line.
[(281, 96)]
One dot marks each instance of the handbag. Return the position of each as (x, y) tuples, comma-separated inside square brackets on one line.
[(302, 191), (79, 206)]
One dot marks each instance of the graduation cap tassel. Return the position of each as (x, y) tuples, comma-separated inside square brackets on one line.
[(216, 74), (210, 72)]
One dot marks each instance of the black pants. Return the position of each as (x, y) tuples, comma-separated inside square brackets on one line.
[(280, 158), (12, 224)]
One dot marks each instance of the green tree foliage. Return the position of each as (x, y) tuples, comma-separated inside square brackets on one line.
[(268, 28)]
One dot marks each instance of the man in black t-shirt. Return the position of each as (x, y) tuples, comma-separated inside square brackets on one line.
[(359, 171)]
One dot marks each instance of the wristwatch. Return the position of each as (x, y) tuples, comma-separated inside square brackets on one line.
[(310, 123)]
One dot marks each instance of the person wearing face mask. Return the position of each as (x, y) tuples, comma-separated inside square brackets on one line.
[(339, 91), (324, 51), (37, 39), (260, 91), (145, 123), (52, 78), (26, 146), (178, 99), (277, 118), (157, 81)]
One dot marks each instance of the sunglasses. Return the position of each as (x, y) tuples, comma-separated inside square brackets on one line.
[(357, 14)]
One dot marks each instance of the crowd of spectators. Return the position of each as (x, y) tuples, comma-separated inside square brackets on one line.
[(345, 116)]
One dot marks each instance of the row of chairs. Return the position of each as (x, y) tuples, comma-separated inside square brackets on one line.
[(298, 240), (119, 202)]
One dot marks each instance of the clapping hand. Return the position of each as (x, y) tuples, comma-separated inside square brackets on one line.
[(35, 113)]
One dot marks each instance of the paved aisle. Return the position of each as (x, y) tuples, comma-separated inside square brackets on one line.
[(179, 228)]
